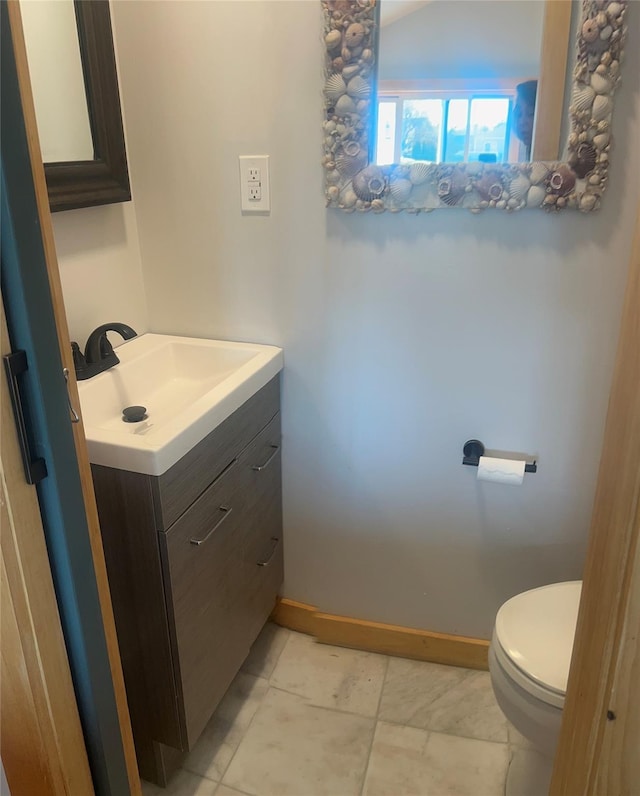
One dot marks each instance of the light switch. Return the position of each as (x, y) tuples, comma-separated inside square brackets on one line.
[(254, 183)]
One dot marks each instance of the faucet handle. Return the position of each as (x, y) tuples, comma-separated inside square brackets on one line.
[(79, 361)]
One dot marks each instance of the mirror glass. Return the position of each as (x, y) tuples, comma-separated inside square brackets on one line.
[(57, 82), (458, 81), (72, 68)]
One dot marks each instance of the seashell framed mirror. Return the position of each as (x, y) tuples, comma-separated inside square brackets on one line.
[(511, 110)]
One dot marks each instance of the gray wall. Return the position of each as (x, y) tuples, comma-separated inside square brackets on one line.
[(403, 335), (464, 38)]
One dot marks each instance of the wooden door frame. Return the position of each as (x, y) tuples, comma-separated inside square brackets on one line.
[(41, 741), (597, 726), (55, 287)]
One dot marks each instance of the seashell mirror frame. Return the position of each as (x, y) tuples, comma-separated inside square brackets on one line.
[(355, 184)]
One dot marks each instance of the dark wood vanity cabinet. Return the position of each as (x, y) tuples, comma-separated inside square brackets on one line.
[(194, 559)]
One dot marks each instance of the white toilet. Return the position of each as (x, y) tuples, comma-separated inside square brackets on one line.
[(529, 659)]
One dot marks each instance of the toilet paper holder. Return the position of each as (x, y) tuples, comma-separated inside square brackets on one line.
[(473, 449)]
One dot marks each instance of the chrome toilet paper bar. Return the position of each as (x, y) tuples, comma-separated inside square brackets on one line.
[(473, 449)]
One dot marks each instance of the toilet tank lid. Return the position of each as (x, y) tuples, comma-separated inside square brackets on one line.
[(536, 630)]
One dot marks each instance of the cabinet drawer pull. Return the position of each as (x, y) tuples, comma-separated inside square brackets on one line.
[(227, 510), (259, 467), (267, 560)]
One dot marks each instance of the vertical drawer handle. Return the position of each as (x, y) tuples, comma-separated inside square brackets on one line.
[(267, 560), (227, 510), (259, 467)]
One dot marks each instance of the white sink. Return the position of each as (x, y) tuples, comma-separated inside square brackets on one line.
[(189, 386)]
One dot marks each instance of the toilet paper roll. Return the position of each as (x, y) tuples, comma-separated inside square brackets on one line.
[(501, 471)]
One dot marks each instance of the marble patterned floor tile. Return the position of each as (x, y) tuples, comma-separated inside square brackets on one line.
[(293, 748), (412, 686), (184, 783), (265, 651), (222, 735), (442, 698), (331, 677), (406, 761), (225, 790), (470, 710)]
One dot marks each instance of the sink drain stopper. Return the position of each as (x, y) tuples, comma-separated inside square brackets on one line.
[(134, 414)]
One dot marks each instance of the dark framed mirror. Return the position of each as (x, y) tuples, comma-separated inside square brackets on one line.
[(105, 178)]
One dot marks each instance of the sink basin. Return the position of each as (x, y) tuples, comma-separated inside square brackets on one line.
[(188, 386)]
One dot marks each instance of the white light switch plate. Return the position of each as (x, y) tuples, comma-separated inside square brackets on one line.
[(254, 183)]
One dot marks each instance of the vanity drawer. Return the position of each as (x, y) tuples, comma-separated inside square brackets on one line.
[(260, 600), (175, 490), (202, 553), (262, 564)]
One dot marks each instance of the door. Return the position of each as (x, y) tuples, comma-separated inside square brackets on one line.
[(42, 746), (37, 325)]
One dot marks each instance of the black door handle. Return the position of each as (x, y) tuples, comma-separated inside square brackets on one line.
[(35, 469)]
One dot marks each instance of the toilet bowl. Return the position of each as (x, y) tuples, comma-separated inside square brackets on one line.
[(529, 658)]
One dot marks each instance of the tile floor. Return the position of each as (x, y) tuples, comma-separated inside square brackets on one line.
[(306, 719)]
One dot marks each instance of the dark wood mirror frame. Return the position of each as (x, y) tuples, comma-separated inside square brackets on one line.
[(104, 180)]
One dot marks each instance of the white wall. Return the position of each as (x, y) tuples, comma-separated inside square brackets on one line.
[(100, 268), (464, 39), (403, 336)]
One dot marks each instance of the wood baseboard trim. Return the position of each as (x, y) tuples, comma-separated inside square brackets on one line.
[(404, 642), (295, 616)]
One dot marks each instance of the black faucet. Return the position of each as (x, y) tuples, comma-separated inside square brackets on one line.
[(98, 353)]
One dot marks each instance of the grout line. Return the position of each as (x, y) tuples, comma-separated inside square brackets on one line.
[(197, 774), (244, 735), (509, 750), (284, 646), (246, 729), (224, 770), (384, 682), (235, 790), (445, 732), (375, 726), (193, 773)]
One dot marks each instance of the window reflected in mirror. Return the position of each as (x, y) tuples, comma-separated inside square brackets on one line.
[(449, 129), (458, 81)]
